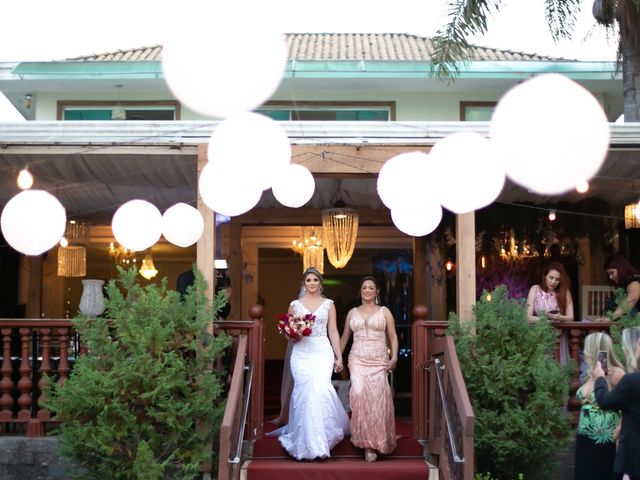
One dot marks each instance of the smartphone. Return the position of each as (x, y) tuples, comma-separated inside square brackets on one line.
[(555, 312), (602, 358)]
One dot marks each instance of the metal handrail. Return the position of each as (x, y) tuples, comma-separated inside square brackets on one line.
[(235, 458), (445, 406)]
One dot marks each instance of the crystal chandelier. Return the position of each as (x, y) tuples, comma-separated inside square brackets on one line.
[(309, 245), (340, 230), (121, 256), (72, 252), (510, 248), (148, 270)]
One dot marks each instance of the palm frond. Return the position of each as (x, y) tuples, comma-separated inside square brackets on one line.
[(561, 17), (466, 18)]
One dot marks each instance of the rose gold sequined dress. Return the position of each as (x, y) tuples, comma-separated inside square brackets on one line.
[(372, 415)]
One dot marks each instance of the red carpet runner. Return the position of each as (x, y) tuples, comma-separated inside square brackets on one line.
[(271, 462)]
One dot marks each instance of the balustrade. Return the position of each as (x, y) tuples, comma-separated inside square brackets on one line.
[(29, 348)]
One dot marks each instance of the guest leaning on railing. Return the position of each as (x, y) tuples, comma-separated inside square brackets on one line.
[(625, 397), (624, 275), (552, 296)]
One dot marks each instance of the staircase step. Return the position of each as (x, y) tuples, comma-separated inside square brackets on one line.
[(385, 468), (269, 447)]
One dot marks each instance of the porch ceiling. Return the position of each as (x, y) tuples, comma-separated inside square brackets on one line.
[(92, 179)]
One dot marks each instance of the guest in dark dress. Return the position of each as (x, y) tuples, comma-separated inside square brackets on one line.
[(223, 282), (623, 275), (626, 398)]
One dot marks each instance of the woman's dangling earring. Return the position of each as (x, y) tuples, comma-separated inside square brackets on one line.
[(377, 300)]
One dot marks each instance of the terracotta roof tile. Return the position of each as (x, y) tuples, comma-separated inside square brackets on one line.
[(343, 46)]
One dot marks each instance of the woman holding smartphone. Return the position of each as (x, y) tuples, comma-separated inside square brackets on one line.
[(626, 398), (552, 296), (597, 429)]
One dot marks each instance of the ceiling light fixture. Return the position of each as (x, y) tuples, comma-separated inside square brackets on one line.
[(148, 270), (118, 112), (631, 219)]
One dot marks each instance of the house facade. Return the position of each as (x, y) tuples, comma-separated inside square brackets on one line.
[(103, 129)]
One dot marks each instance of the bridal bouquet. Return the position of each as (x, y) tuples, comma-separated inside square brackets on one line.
[(295, 327)]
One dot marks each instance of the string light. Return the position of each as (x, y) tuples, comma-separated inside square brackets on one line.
[(582, 187), (552, 215)]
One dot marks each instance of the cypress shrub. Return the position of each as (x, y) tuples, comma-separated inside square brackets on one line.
[(516, 387), (136, 403)]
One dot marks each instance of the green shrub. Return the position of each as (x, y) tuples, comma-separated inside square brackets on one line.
[(487, 476), (132, 403), (625, 321), (516, 388)]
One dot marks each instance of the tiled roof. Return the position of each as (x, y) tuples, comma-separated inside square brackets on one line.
[(344, 46)]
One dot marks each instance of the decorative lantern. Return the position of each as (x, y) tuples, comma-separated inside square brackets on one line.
[(340, 230), (631, 219), (72, 256), (313, 256), (72, 261)]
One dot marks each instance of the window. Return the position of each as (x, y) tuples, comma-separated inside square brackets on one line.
[(329, 111), (476, 111), (101, 110)]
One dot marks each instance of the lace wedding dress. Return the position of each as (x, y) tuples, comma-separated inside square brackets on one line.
[(317, 419)]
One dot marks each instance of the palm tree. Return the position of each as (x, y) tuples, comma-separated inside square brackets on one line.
[(621, 17)]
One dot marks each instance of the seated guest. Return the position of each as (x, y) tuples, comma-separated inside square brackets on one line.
[(552, 296)]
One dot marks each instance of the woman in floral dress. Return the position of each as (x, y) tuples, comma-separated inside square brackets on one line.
[(597, 429)]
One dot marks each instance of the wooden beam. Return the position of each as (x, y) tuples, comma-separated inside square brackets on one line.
[(341, 159), (308, 216), (466, 268), (206, 246), (235, 269), (420, 271), (34, 294)]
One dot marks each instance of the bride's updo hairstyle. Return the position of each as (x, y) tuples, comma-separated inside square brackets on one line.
[(306, 273)]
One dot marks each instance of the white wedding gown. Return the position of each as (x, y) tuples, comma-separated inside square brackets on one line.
[(317, 419)]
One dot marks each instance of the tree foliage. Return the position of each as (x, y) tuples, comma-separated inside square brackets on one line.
[(469, 17), (516, 389), (134, 402)]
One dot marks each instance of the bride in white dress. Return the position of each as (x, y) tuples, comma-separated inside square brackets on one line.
[(317, 419)]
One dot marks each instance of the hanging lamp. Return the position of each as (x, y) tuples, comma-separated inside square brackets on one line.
[(148, 270), (339, 230), (631, 219), (118, 112), (72, 252)]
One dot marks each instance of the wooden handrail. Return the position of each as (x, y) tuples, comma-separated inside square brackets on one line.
[(451, 417), (428, 339), (230, 429), (254, 329)]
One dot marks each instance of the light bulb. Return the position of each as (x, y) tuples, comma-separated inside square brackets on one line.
[(64, 242), (25, 179), (552, 215), (582, 187)]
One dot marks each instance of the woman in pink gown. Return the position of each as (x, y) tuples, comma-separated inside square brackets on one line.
[(372, 415)]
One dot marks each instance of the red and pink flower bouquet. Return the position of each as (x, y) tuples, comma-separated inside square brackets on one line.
[(295, 327)]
